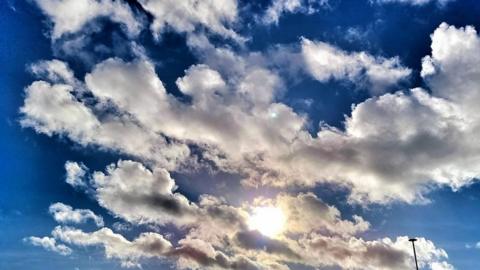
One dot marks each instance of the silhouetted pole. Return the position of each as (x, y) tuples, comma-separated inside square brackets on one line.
[(414, 252)]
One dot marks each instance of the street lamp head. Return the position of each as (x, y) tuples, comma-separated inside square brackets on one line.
[(412, 239)]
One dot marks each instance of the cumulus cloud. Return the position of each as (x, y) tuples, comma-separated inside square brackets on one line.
[(142, 196), (75, 174), (197, 254), (355, 253), (218, 114), (63, 213), (254, 251), (46, 102), (393, 147), (71, 16), (441, 266), (139, 195), (278, 7), (57, 109), (325, 62), (188, 16), (49, 244), (55, 70), (146, 245), (189, 255), (405, 142), (306, 213), (217, 237)]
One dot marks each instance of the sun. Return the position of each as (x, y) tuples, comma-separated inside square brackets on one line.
[(269, 221)]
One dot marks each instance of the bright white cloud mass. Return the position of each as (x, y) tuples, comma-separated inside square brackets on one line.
[(70, 16), (63, 213), (50, 244), (279, 7), (324, 62), (186, 16), (394, 147)]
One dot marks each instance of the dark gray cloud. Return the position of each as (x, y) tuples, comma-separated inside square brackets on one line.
[(256, 241)]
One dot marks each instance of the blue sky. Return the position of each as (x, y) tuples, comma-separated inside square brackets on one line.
[(155, 109)]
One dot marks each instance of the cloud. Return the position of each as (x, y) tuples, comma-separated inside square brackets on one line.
[(441, 266), (412, 2), (325, 62), (253, 240), (384, 142), (55, 70), (152, 199), (152, 245), (213, 15), (75, 174), (146, 245), (278, 7), (59, 109), (197, 254), (50, 244), (63, 213), (216, 235), (354, 253), (71, 16), (306, 213), (258, 252), (447, 69), (54, 108), (217, 114), (393, 147), (406, 142), (139, 195)]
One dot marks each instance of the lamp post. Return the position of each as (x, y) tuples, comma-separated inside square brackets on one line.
[(414, 252)]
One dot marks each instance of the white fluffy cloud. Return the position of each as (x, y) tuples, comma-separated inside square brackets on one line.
[(139, 195), (50, 244), (354, 253), (58, 109), (441, 266), (316, 251), (405, 142), (306, 213), (55, 70), (63, 213), (324, 62), (151, 198), (146, 245), (54, 108), (75, 174), (70, 16), (394, 147), (189, 254), (220, 112), (278, 7), (186, 16)]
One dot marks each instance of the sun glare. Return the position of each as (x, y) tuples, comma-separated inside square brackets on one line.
[(269, 221)]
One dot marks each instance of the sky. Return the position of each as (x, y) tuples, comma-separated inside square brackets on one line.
[(231, 134)]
